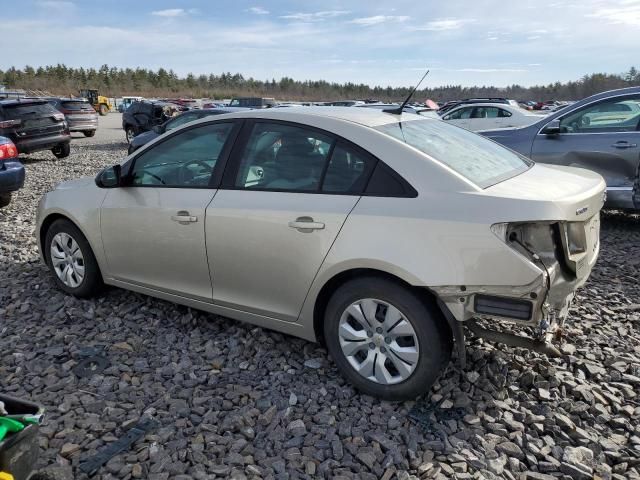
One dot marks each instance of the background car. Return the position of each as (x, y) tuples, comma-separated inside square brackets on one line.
[(33, 124), (420, 110), (126, 102), (601, 133), (145, 137), (143, 116), (471, 101), (484, 116), (79, 114), (11, 171), (378, 234), (252, 102)]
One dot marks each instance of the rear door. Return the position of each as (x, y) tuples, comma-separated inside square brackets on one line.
[(284, 200), (604, 137)]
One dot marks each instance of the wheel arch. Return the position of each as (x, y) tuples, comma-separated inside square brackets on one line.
[(46, 223), (338, 279)]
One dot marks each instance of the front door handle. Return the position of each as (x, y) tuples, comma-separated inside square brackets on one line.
[(183, 217), (306, 224), (624, 144)]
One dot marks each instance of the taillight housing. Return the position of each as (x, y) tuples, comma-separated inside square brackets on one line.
[(7, 150), (10, 123)]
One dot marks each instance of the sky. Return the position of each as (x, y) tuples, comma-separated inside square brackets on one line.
[(482, 42)]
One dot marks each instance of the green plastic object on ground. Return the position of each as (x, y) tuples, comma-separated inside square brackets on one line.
[(9, 425)]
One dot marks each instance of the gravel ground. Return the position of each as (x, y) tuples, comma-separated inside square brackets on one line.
[(234, 401)]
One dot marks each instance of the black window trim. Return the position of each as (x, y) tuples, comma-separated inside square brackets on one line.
[(218, 169), (241, 143)]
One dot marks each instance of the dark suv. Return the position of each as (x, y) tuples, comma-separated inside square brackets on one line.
[(143, 116), (34, 125)]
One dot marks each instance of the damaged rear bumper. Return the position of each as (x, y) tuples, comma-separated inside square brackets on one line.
[(564, 254)]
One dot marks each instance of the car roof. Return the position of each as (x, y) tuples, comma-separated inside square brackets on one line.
[(369, 117), (19, 101)]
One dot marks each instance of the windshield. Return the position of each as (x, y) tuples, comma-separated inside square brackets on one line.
[(20, 110), (76, 105), (476, 158)]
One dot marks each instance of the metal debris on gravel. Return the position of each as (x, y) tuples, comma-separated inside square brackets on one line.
[(235, 401)]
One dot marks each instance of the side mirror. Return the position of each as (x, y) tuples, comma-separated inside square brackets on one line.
[(109, 177), (552, 128)]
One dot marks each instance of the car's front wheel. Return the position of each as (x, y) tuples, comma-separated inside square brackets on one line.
[(130, 133), (62, 151), (71, 260), (387, 340)]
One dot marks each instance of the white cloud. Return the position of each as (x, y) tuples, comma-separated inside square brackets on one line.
[(491, 70), (315, 16), (444, 24), (258, 11), (624, 15), (170, 12), (56, 4), (377, 19)]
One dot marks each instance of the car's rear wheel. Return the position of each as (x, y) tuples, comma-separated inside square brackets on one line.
[(71, 260), (5, 199), (62, 151), (130, 133), (89, 133), (385, 339)]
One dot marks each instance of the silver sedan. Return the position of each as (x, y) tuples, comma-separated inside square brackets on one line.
[(380, 235)]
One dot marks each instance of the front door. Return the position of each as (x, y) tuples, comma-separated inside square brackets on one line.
[(273, 221), (153, 230), (603, 137)]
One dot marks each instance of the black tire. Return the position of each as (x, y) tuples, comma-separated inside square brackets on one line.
[(62, 151), (92, 282), (434, 338), (131, 149), (129, 132), (5, 200), (89, 133), (103, 109)]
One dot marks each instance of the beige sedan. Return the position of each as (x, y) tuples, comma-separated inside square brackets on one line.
[(379, 234)]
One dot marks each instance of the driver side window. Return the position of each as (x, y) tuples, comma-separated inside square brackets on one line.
[(621, 114), (183, 160)]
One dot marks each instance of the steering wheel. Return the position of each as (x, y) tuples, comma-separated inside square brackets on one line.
[(185, 168), (153, 175)]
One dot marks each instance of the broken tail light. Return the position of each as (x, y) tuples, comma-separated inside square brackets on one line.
[(7, 150), (10, 123)]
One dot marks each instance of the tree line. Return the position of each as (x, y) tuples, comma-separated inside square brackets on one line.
[(112, 81)]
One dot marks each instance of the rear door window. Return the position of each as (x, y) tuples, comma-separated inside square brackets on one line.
[(283, 158)]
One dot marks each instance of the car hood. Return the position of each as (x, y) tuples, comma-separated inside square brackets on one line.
[(568, 190), (77, 183)]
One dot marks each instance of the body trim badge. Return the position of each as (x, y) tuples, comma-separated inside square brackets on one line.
[(582, 210)]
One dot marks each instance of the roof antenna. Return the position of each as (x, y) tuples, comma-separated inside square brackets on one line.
[(400, 109)]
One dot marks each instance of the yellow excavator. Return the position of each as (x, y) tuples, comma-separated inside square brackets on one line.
[(100, 103)]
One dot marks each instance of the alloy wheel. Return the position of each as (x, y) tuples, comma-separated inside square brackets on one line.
[(67, 260), (378, 341)]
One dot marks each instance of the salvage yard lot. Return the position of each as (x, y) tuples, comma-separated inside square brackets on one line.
[(232, 400)]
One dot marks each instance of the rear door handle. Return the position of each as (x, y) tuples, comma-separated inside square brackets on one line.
[(306, 224), (624, 144), (183, 217)]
